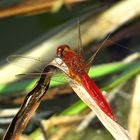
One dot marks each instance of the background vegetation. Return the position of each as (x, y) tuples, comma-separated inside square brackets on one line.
[(36, 28)]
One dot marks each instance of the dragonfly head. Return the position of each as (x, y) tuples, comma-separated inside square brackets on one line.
[(60, 50)]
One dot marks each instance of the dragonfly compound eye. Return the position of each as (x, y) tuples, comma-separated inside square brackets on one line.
[(60, 50)]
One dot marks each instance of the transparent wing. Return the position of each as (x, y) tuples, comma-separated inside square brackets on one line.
[(35, 68), (33, 64), (57, 78), (80, 50), (31, 75), (90, 60)]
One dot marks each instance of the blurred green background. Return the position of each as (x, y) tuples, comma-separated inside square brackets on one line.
[(38, 31)]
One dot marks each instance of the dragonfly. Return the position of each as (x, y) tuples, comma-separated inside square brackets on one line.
[(78, 71)]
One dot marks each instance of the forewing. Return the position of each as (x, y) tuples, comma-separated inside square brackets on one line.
[(31, 64), (35, 68)]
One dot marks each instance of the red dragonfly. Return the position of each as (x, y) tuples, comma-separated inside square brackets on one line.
[(78, 71)]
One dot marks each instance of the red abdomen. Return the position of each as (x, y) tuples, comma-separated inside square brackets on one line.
[(96, 94)]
